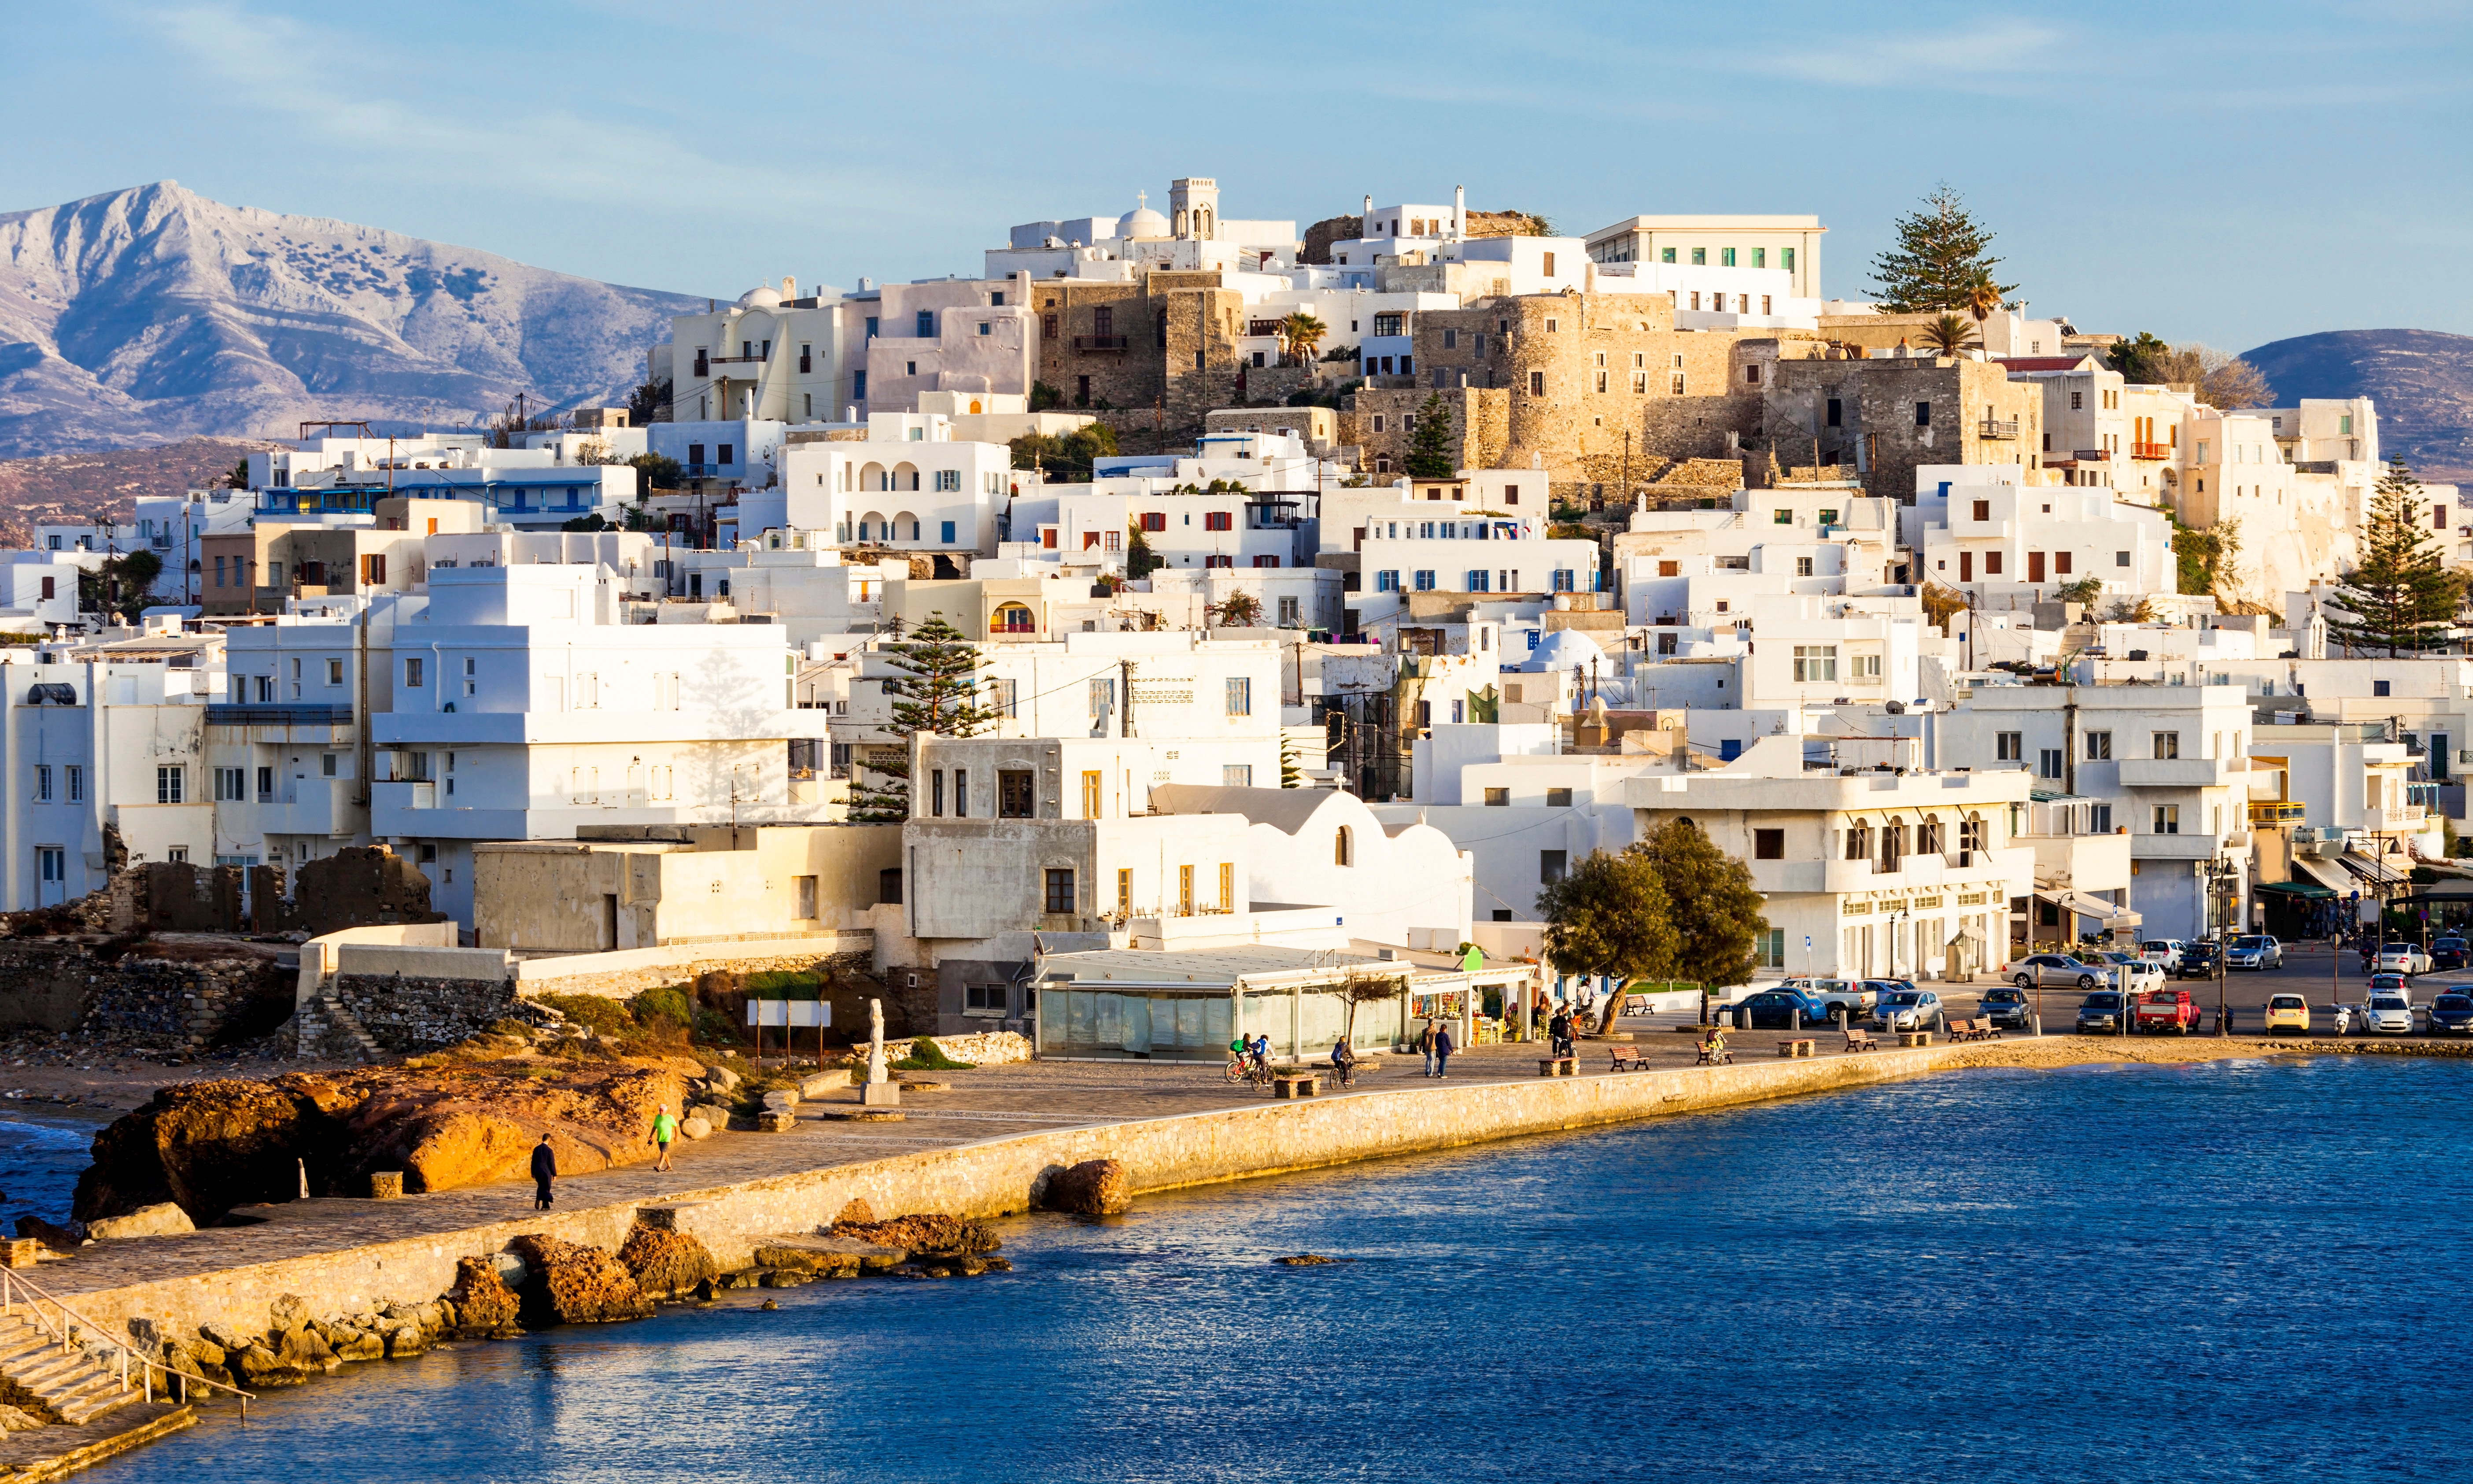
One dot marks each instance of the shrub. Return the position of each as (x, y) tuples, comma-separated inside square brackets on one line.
[(925, 1056)]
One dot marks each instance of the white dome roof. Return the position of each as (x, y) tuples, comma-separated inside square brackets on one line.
[(760, 296), (1565, 649), (1141, 222)]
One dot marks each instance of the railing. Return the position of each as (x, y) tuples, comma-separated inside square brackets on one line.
[(736, 360), (1098, 341), (2156, 451), (1997, 427), (229, 714), (2277, 812), (15, 1290), (2090, 456)]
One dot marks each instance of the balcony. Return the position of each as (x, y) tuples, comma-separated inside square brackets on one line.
[(1099, 345), (2085, 863), (2277, 811), (735, 368), (2152, 452), (1997, 427), (271, 714), (2409, 819), (2191, 846), (2172, 771)]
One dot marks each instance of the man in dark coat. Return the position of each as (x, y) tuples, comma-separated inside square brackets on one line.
[(544, 1169)]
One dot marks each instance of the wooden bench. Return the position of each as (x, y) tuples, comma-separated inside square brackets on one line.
[(1558, 1067), (1800, 1046), (1861, 1041), (1720, 1057), (1626, 1059), (1914, 1038), (1296, 1084)]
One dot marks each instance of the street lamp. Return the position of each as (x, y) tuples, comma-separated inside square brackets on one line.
[(2220, 874)]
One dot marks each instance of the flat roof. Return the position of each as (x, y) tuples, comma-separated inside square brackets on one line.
[(1202, 968)]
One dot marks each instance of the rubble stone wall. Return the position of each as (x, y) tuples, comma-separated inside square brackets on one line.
[(190, 997), (408, 1015)]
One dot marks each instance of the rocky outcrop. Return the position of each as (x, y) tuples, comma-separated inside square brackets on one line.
[(572, 1283), (1093, 1187), (924, 1236), (485, 1306), (164, 1218), (209, 1146), (665, 1264)]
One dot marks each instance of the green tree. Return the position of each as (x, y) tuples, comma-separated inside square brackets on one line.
[(1069, 456), (645, 403), (1714, 911), (2137, 360), (238, 478), (1043, 397), (1140, 560), (1942, 261), (2401, 597), (1429, 442), (1950, 333), (657, 472), (1300, 333), (934, 690), (1610, 915), (1290, 775), (122, 586)]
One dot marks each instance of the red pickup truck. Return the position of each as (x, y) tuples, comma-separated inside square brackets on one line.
[(2166, 1010)]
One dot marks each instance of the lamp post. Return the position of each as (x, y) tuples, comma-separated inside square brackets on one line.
[(2220, 875)]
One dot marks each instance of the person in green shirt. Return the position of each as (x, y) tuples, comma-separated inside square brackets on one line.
[(665, 1129)]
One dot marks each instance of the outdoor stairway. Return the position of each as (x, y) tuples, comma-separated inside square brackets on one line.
[(324, 1027), (70, 1385)]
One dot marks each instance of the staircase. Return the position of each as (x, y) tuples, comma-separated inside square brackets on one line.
[(323, 1027), (67, 1385)]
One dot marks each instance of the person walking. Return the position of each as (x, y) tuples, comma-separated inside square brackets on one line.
[(665, 1129), (1442, 1051), (545, 1170), (1426, 1044)]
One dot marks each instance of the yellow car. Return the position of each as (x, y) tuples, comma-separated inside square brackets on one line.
[(2288, 1012)]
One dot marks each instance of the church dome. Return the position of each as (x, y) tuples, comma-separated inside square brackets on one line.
[(1565, 649), (760, 296), (1141, 222)]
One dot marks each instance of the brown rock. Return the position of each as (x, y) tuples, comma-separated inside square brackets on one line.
[(361, 1344), (208, 1146), (809, 1260), (924, 1236), (483, 1305), (665, 1264), (1093, 1187), (576, 1285), (58, 1238), (858, 1210)]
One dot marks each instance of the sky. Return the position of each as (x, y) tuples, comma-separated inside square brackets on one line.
[(2233, 174)]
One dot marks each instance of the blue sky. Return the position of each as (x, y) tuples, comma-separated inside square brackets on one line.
[(2233, 174)]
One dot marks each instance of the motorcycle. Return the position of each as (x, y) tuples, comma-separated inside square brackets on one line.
[(2344, 1020)]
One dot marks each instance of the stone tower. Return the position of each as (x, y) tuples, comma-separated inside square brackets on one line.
[(1193, 207)]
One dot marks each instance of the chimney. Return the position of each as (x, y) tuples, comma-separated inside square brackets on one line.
[(1459, 210), (1365, 223)]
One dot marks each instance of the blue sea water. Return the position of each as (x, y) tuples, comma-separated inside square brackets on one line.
[(2230, 1271), (39, 1163)]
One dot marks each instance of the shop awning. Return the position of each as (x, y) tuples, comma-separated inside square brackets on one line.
[(2337, 881), (2373, 872), (2090, 906), (2310, 889)]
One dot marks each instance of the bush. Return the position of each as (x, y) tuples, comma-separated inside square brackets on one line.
[(925, 1056)]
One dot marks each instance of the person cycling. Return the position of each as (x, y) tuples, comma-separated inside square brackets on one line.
[(1262, 1050), (1714, 1046), (1343, 1058)]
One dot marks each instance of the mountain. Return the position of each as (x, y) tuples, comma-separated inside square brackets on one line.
[(68, 488), (2422, 381), (153, 314)]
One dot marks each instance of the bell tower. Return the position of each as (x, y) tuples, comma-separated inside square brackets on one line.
[(1193, 207)]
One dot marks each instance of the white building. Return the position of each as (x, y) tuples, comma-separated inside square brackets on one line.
[(1788, 244), (908, 486)]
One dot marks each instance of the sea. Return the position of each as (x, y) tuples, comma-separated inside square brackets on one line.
[(2235, 1270)]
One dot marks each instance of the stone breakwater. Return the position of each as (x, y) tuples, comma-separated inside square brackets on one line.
[(1007, 1175)]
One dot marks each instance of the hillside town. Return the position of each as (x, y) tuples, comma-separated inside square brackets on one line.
[(1971, 634)]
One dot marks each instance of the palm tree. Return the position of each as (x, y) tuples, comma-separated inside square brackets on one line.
[(1983, 298), (1299, 334), (1950, 333)]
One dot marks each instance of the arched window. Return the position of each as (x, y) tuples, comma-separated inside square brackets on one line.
[(1012, 618), (1342, 848), (1858, 840), (975, 407)]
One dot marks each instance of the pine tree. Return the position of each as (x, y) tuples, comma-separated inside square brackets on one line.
[(937, 692), (1429, 445), (1942, 261), (1290, 777), (2401, 596)]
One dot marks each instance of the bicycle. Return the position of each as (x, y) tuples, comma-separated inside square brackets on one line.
[(1249, 1072), (1344, 1074)]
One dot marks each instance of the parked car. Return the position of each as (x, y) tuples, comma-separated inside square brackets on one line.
[(1855, 999), (2389, 1013), (2451, 1013), (2007, 1008), (1784, 1010), (2254, 950), (2292, 1012), (2164, 951), (1908, 1010), (2402, 958), (2449, 952), (2100, 1013), (2060, 969), (2144, 973), (2162, 1010), (2199, 960)]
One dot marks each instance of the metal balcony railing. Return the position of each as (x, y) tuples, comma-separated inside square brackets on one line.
[(1098, 341), (1997, 427), (2276, 811), (2152, 451)]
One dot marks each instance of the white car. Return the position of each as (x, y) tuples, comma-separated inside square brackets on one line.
[(2401, 958), (2166, 951), (2387, 1015), (2145, 973)]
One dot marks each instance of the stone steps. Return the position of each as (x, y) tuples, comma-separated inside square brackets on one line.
[(324, 1027), (71, 1384)]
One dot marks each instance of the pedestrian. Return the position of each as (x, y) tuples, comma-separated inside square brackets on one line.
[(1426, 1044), (1442, 1051), (545, 1170), (665, 1129)]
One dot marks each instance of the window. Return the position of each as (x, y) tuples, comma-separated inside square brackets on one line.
[(232, 785), (1227, 886), (413, 674), (2166, 744), (1060, 890), (2099, 747), (1859, 840), (1217, 520), (2007, 745), (1341, 854), (1386, 582), (1700, 257), (1782, 517), (2168, 818), (936, 794), (1240, 695), (1537, 383), (1768, 844), (1124, 892), (1552, 866), (2121, 559), (1154, 520), (1185, 890), (1803, 567), (1815, 663), (1236, 774), (1991, 563), (2378, 687), (1867, 667), (1425, 581), (1497, 797), (1984, 509), (170, 785), (416, 770), (42, 783), (1103, 695), (1922, 414), (326, 764), (1014, 798), (2049, 762)]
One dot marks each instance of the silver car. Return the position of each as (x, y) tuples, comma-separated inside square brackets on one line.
[(2059, 970), (2254, 950)]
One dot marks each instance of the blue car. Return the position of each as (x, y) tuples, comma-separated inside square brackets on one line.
[(2451, 1013), (2007, 1008), (1785, 1010)]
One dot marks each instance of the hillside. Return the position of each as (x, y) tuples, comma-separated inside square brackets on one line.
[(153, 314), (2422, 381), (80, 487)]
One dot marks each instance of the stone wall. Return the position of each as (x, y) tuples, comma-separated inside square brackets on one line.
[(1877, 415), (407, 1016), (171, 994)]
